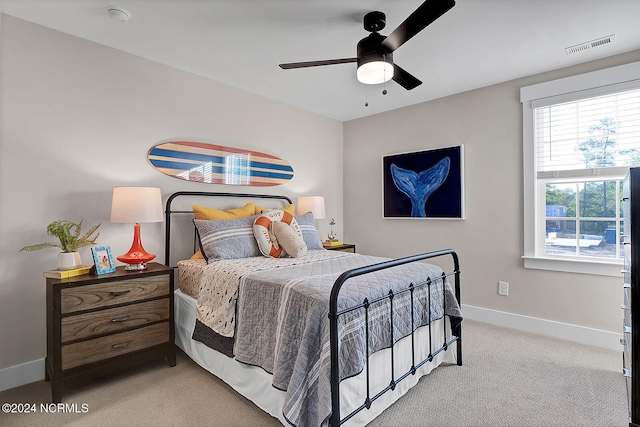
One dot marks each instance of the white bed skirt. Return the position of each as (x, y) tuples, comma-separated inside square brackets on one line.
[(255, 384)]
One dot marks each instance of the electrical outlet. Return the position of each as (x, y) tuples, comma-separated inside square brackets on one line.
[(503, 288)]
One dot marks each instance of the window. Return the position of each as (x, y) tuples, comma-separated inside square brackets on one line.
[(581, 135)]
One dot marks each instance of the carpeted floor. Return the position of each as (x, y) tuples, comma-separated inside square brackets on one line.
[(508, 378)]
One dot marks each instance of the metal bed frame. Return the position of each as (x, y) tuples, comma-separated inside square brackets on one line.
[(335, 313)]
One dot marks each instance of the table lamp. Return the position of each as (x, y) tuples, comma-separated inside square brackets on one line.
[(313, 204), (136, 204)]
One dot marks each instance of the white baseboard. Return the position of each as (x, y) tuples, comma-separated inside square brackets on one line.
[(15, 376), (566, 331), (26, 373)]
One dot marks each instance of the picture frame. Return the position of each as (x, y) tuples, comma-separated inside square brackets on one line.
[(424, 184), (103, 260)]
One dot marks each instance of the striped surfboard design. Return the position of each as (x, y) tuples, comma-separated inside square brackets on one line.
[(217, 164)]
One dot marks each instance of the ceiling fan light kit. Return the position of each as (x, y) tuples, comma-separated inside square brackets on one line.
[(375, 72), (375, 52)]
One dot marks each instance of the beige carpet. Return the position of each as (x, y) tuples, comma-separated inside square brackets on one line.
[(509, 378)]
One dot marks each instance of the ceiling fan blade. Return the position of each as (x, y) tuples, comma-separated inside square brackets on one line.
[(424, 15), (404, 79), (292, 65)]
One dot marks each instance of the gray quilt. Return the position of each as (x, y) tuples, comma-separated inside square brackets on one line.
[(283, 326)]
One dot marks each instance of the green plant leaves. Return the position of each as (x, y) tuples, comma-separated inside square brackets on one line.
[(68, 235)]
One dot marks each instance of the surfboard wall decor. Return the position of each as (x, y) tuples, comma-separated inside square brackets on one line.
[(217, 164)]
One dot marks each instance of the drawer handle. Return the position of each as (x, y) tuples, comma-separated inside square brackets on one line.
[(626, 372), (120, 319), (626, 285), (626, 329), (122, 344), (625, 271), (120, 293)]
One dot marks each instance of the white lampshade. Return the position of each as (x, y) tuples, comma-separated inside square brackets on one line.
[(136, 204), (375, 72), (313, 204)]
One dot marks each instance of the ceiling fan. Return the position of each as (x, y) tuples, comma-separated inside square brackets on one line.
[(375, 52)]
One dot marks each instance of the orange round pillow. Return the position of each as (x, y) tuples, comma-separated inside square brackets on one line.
[(263, 231)]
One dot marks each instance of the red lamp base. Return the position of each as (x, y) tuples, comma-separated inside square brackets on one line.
[(137, 258)]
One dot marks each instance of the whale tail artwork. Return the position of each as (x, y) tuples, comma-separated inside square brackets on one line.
[(419, 186)]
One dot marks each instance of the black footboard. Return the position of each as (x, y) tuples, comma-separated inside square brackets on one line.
[(456, 333)]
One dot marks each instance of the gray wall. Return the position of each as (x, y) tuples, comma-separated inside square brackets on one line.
[(488, 122), (78, 118)]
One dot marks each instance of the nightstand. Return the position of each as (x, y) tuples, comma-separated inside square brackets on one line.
[(97, 325), (347, 247)]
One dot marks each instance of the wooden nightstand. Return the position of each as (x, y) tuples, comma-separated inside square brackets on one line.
[(347, 247), (97, 325)]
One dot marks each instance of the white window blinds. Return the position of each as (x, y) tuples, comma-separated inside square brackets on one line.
[(591, 136)]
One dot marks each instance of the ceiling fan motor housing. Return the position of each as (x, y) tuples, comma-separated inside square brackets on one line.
[(369, 50)]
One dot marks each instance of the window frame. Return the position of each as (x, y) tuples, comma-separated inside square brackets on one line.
[(563, 90)]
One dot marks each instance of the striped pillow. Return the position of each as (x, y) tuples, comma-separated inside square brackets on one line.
[(227, 239), (309, 233)]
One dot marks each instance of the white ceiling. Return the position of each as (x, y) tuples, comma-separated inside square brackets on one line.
[(241, 42)]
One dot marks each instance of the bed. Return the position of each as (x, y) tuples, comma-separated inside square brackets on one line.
[(327, 338)]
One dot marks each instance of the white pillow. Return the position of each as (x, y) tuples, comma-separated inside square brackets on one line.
[(288, 239)]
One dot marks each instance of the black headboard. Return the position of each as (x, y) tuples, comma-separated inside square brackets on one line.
[(168, 211)]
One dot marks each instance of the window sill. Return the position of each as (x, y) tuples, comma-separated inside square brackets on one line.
[(613, 268)]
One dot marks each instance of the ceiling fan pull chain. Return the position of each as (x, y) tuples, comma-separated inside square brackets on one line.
[(384, 75)]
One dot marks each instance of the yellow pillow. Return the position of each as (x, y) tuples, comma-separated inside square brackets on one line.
[(202, 212), (210, 213), (291, 209)]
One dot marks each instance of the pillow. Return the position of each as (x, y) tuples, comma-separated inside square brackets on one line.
[(309, 233), (263, 231), (227, 238), (290, 209), (202, 212), (289, 239)]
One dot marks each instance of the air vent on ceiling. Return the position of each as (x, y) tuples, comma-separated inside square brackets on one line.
[(590, 45)]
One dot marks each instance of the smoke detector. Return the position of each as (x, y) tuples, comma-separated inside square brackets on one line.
[(590, 45), (118, 14)]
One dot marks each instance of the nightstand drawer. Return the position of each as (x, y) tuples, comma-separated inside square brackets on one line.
[(112, 293), (114, 345), (113, 319)]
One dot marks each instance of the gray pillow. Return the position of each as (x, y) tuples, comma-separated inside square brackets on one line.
[(227, 238), (309, 233)]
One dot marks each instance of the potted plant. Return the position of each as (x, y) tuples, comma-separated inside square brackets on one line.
[(69, 240)]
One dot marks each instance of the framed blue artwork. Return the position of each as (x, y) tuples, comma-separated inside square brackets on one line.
[(424, 184)]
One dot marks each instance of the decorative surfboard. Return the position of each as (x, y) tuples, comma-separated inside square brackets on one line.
[(217, 164)]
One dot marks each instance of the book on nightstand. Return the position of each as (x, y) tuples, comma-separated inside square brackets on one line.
[(65, 274), (332, 243)]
